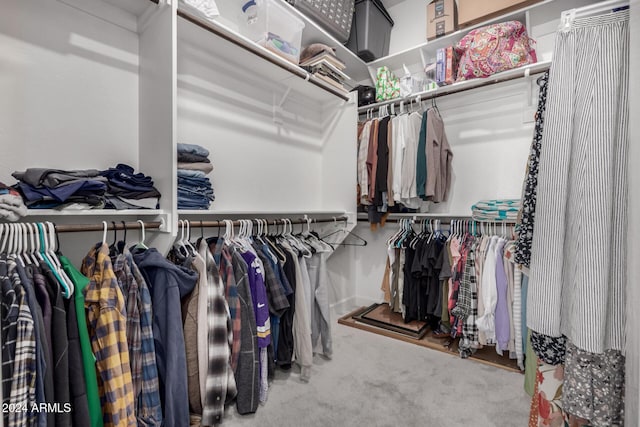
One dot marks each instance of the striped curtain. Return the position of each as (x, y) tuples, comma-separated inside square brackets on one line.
[(578, 262)]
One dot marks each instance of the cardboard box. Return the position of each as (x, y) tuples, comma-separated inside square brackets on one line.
[(471, 12), (441, 18)]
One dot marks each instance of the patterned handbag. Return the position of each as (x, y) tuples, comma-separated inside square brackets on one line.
[(494, 48), (387, 85)]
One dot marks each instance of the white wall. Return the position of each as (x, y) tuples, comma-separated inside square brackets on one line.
[(410, 29), (632, 402), (69, 85)]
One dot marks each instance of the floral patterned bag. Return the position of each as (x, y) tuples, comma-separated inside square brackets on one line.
[(387, 85), (494, 48)]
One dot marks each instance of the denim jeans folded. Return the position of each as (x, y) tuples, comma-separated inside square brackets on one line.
[(188, 173), (193, 149)]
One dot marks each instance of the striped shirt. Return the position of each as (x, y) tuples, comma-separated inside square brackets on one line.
[(106, 322)]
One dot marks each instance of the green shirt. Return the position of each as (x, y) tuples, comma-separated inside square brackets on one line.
[(88, 359)]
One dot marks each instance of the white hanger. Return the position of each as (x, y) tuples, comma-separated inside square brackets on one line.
[(19, 244), (67, 282), (104, 232), (141, 244), (52, 244), (10, 239), (35, 241), (24, 253)]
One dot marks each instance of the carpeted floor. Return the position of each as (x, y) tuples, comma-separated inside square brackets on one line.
[(378, 381)]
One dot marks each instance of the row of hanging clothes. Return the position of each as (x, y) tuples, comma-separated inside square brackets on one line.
[(404, 160), (462, 282), (136, 338)]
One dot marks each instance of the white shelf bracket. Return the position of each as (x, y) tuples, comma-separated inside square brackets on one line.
[(529, 110), (277, 106)]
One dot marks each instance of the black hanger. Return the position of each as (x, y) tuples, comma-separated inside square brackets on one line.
[(58, 250), (113, 250), (122, 243), (358, 242)]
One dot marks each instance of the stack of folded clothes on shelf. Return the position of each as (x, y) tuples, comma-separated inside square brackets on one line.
[(194, 188), (57, 189), (129, 190), (496, 210), (12, 207)]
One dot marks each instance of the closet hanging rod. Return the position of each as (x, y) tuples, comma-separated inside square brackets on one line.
[(444, 220), (209, 224), (111, 225), (464, 86), (228, 35), (593, 9)]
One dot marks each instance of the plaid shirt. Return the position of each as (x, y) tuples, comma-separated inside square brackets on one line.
[(149, 410), (231, 291), (220, 382), (22, 384), (106, 321), (10, 312), (470, 298), (278, 302), (463, 305)]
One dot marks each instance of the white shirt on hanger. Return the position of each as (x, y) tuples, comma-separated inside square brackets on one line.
[(409, 191), (398, 130)]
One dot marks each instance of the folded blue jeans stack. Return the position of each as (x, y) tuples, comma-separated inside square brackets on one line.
[(195, 190)]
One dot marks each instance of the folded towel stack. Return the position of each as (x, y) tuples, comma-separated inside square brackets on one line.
[(129, 190), (194, 188), (496, 210)]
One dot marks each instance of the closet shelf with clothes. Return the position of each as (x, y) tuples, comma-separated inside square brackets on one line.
[(505, 76)]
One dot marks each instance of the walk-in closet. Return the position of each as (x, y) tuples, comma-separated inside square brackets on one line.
[(319, 213)]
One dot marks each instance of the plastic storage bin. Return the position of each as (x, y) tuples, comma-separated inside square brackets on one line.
[(270, 24), (370, 30)]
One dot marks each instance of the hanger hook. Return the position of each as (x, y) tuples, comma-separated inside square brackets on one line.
[(142, 233), (105, 227)]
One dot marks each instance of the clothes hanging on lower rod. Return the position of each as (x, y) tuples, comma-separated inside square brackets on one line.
[(403, 161), (463, 286), (224, 315)]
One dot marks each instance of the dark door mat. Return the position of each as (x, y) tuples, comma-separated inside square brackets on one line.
[(382, 316), (384, 322)]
